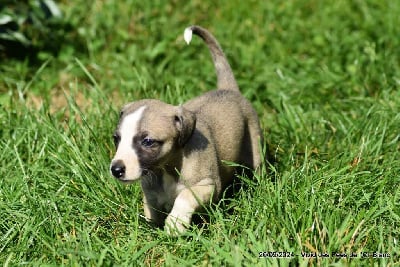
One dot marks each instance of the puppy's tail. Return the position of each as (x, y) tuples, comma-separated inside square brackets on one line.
[(225, 78)]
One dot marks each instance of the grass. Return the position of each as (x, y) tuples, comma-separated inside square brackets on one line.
[(324, 78)]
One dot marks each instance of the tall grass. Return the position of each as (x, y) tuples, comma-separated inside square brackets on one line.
[(324, 78)]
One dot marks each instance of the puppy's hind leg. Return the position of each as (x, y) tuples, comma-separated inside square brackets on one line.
[(187, 202), (256, 141), (251, 156)]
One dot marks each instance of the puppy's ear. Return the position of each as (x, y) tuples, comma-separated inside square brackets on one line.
[(124, 109), (185, 122)]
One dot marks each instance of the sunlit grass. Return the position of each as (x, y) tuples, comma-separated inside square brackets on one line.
[(324, 79)]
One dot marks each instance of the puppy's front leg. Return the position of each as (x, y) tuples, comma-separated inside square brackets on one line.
[(186, 203), (151, 212)]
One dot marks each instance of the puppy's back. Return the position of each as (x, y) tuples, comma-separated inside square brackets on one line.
[(225, 113)]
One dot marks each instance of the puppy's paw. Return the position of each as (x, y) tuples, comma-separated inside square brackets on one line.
[(175, 226)]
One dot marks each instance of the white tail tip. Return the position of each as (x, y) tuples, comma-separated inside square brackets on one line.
[(187, 35)]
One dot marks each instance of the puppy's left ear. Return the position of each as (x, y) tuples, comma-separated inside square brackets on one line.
[(185, 122)]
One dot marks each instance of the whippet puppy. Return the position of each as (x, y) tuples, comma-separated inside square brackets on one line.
[(177, 152)]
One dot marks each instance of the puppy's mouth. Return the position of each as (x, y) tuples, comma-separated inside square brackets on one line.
[(126, 181), (144, 173)]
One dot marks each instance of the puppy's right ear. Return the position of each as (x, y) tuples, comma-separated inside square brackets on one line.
[(185, 122), (124, 109)]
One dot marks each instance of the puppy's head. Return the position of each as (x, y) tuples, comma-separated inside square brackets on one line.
[(149, 134)]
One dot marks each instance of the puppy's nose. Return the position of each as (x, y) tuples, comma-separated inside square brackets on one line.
[(118, 169)]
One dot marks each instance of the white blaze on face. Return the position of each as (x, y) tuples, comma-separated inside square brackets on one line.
[(125, 152)]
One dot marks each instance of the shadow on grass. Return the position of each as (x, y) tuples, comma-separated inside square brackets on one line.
[(34, 31)]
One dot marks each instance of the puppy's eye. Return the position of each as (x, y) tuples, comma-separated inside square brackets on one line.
[(116, 138), (148, 142)]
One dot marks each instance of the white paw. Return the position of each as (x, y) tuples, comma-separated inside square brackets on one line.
[(176, 226)]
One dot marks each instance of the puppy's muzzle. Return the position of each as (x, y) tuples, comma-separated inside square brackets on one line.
[(118, 169)]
